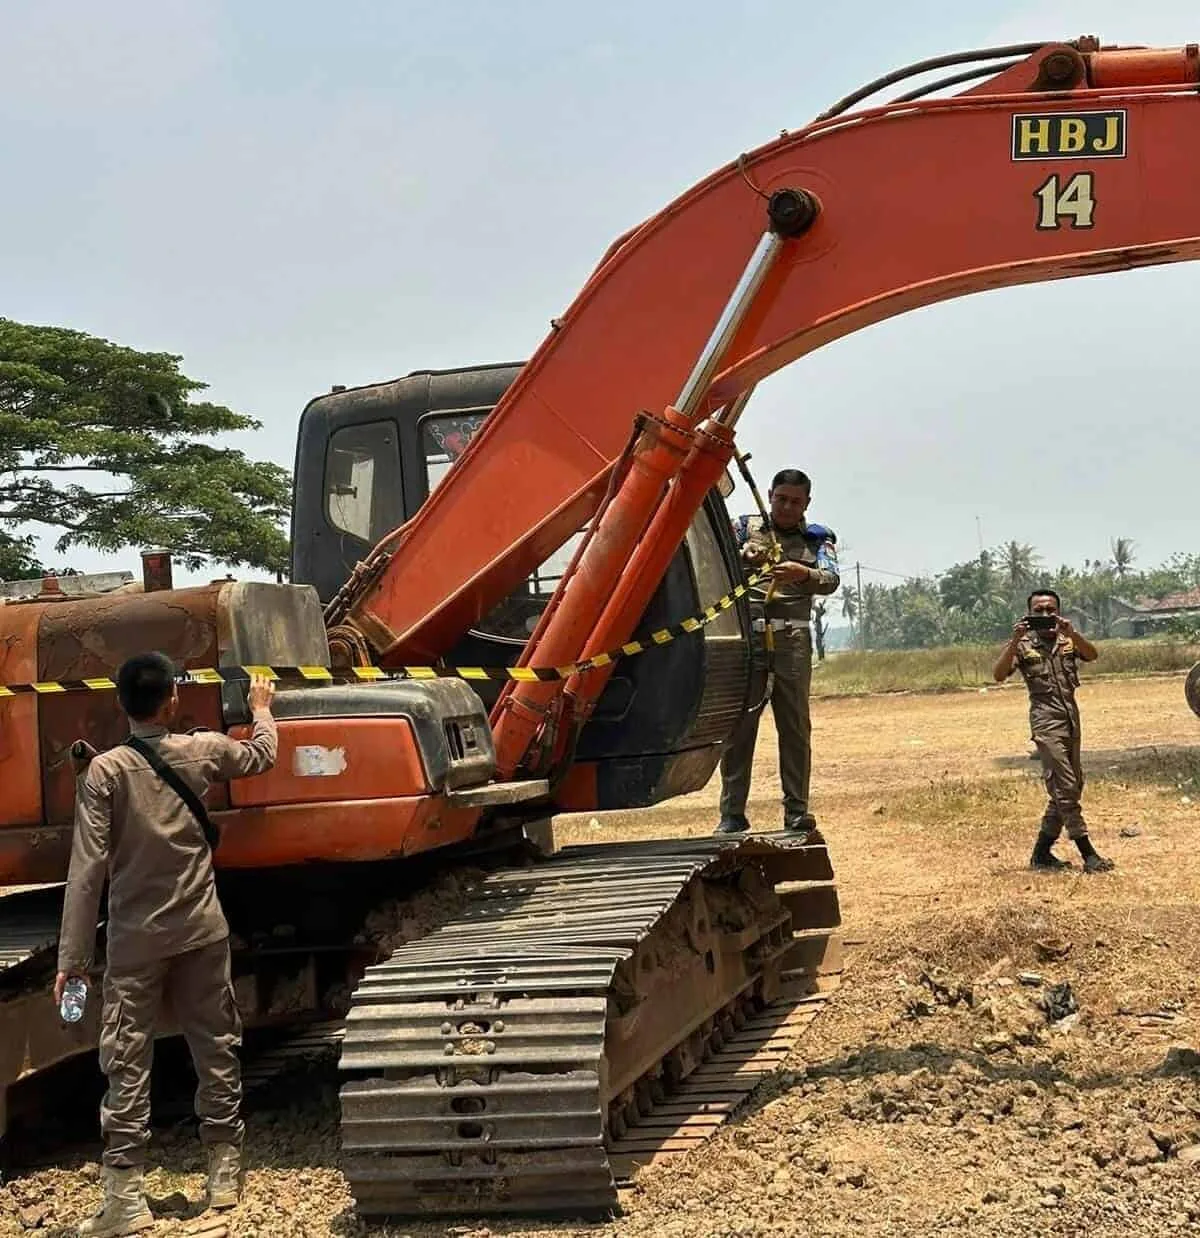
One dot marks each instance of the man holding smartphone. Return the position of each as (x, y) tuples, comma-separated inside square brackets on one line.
[(1046, 649)]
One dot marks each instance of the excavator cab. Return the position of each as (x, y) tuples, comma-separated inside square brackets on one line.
[(368, 457)]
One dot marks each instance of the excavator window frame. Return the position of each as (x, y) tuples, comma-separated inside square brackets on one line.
[(478, 415), (381, 446)]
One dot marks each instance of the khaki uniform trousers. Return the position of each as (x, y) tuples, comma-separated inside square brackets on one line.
[(789, 706), (197, 989), (1057, 740)]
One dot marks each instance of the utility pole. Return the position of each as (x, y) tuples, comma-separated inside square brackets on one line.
[(862, 608)]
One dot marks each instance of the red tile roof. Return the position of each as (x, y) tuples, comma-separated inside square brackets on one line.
[(1188, 600)]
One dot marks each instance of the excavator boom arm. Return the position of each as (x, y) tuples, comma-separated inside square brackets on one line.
[(1068, 163)]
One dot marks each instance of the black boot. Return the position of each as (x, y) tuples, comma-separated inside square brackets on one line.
[(1043, 859), (732, 823), (1093, 861), (802, 823)]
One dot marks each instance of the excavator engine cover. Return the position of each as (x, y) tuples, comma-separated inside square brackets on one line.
[(229, 623)]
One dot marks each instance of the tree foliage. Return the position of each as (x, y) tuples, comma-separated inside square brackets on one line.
[(17, 558), (111, 448), (978, 601)]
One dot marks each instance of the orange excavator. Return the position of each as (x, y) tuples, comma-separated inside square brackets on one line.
[(538, 517)]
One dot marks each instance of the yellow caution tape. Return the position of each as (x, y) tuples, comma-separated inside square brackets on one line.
[(325, 674)]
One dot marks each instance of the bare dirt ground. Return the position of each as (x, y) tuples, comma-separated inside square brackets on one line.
[(935, 1093)]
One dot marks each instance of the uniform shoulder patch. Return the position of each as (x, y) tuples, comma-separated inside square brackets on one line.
[(745, 527)]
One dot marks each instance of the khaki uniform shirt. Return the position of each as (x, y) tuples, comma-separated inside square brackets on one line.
[(812, 545), (131, 827), (1050, 669)]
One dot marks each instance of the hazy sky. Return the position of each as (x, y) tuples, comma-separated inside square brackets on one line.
[(293, 195)]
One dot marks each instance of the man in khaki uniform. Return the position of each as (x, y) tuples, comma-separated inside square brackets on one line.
[(167, 935), (808, 567), (1047, 658)]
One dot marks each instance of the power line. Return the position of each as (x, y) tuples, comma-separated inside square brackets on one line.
[(883, 571)]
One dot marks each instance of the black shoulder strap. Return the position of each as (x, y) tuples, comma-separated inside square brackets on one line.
[(185, 793)]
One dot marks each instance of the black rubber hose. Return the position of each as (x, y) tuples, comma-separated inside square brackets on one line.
[(953, 80), (925, 66)]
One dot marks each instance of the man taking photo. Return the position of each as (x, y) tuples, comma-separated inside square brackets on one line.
[(1046, 649)]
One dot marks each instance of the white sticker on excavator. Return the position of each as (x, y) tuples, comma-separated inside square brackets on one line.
[(313, 761)]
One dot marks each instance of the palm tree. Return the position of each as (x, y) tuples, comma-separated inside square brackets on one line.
[(973, 586), (1020, 564), (1122, 555), (849, 602)]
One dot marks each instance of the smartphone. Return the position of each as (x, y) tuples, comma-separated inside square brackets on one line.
[(1042, 623)]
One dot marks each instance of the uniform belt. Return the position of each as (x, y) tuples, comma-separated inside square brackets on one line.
[(782, 625)]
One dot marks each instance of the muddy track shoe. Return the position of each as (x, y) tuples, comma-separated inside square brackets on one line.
[(489, 1065), (1097, 864)]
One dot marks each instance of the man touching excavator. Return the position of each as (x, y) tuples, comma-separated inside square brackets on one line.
[(141, 824), (808, 568)]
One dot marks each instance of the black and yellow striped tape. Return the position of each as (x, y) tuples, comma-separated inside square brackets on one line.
[(324, 674)]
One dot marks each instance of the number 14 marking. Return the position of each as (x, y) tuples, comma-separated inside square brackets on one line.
[(1072, 201)]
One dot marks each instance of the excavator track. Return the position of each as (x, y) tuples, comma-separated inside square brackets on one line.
[(493, 1065), (29, 920)]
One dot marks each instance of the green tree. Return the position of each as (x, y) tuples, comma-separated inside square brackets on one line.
[(17, 558), (1092, 592), (922, 620), (976, 596), (76, 407), (1122, 556), (849, 600), (1020, 567)]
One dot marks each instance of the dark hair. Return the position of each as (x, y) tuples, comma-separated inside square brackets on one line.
[(791, 477), (144, 684), (1043, 593)]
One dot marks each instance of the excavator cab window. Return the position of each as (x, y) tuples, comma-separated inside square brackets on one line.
[(515, 618), (712, 577), (362, 481), (444, 437)]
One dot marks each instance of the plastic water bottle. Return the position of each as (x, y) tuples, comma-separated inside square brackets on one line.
[(74, 999)]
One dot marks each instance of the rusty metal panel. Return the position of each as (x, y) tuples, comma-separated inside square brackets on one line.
[(261, 624), (89, 638), (93, 636), (34, 853), (21, 797)]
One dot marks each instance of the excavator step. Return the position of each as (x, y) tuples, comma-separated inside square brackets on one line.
[(585, 1008), (29, 922)]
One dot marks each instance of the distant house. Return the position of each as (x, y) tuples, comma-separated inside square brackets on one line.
[(1151, 615), (1119, 615)]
